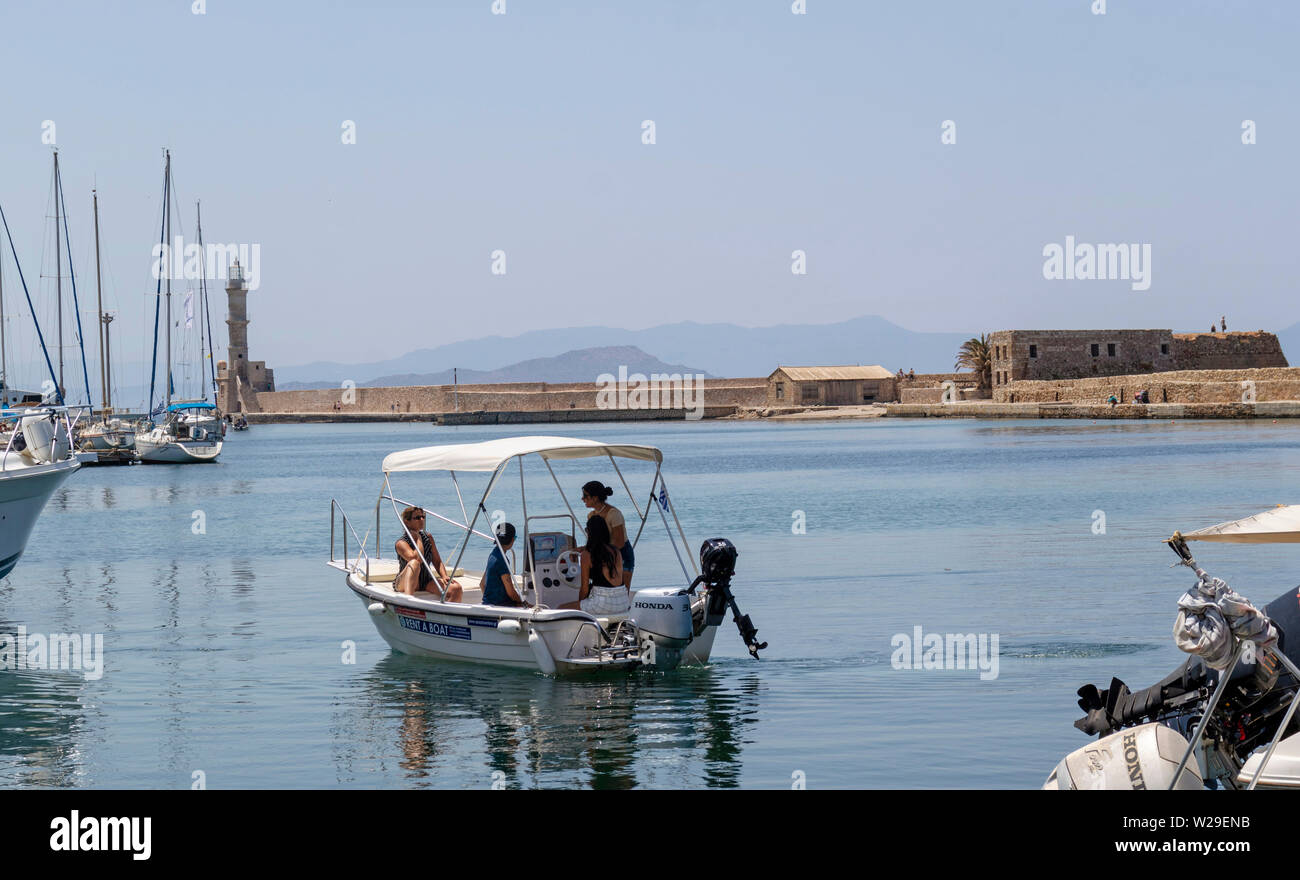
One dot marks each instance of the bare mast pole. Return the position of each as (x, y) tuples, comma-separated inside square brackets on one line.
[(167, 208), (205, 320), (103, 325), (58, 267)]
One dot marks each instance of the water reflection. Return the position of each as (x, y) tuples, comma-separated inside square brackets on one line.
[(684, 729), (40, 725)]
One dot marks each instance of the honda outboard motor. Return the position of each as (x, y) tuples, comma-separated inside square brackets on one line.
[(663, 615), (1139, 758), (717, 566), (1254, 701)]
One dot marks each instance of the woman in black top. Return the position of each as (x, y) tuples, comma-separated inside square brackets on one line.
[(414, 574)]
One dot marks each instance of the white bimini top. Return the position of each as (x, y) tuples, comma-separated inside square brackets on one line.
[(488, 455)]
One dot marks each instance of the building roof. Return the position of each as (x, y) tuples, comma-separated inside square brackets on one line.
[(812, 374)]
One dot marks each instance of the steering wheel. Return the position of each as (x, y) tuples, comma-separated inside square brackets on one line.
[(569, 565)]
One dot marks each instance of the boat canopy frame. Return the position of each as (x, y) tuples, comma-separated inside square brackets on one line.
[(494, 456)]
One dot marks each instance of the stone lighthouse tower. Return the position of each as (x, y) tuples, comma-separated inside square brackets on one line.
[(239, 379)]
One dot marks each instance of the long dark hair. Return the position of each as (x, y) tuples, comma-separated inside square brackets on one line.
[(598, 544)]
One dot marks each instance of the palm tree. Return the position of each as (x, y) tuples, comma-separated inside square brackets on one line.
[(975, 355)]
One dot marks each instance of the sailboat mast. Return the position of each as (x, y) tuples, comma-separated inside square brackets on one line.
[(206, 318), (58, 267), (108, 363), (103, 328), (167, 213), (4, 361)]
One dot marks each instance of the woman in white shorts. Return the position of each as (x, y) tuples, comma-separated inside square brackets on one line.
[(601, 589)]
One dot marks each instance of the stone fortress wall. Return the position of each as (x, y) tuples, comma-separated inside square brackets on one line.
[(502, 397)]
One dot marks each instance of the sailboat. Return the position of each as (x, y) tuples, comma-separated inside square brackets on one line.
[(190, 430), (36, 454), (109, 436)]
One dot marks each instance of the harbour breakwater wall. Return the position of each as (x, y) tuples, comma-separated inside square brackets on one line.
[(357, 403), (1177, 386), (988, 410)]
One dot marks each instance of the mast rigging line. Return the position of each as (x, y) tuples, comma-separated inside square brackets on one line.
[(76, 305), (36, 321)]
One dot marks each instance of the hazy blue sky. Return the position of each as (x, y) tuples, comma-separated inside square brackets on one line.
[(774, 132)]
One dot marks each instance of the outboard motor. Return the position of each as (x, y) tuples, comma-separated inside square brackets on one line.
[(717, 566), (45, 442), (1139, 758), (663, 615)]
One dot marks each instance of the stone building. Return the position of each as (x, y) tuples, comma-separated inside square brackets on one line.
[(830, 386), (1082, 354), (239, 379)]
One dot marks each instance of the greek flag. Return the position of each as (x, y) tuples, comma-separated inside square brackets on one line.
[(663, 497)]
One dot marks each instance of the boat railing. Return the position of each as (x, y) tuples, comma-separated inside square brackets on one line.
[(17, 415), (362, 563)]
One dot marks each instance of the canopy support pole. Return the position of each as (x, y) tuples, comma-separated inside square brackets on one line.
[(564, 498)]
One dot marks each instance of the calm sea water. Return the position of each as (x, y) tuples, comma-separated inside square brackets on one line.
[(225, 649)]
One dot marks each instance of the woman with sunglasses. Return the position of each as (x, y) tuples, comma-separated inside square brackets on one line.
[(415, 574), (594, 495)]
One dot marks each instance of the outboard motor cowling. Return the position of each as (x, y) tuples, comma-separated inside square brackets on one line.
[(1137, 758), (663, 615), (45, 442)]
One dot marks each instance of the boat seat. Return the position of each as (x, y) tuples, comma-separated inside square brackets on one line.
[(384, 571)]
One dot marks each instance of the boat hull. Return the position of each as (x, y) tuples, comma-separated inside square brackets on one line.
[(550, 641), (108, 440), (151, 451), (24, 491)]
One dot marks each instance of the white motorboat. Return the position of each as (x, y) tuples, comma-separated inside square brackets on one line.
[(190, 432), (1231, 706), (37, 458), (666, 626)]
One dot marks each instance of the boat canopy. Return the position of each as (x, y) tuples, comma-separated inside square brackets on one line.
[(488, 455), (192, 405), (1281, 525)]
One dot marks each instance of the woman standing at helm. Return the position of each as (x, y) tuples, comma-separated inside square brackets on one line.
[(594, 495)]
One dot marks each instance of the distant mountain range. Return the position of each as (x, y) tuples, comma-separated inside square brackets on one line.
[(582, 365), (718, 349), (714, 349)]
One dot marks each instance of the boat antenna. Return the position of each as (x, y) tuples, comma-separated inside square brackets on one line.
[(27, 293)]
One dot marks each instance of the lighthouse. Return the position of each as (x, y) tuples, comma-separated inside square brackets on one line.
[(238, 378)]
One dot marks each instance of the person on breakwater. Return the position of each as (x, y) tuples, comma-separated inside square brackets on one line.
[(415, 574), (594, 495)]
